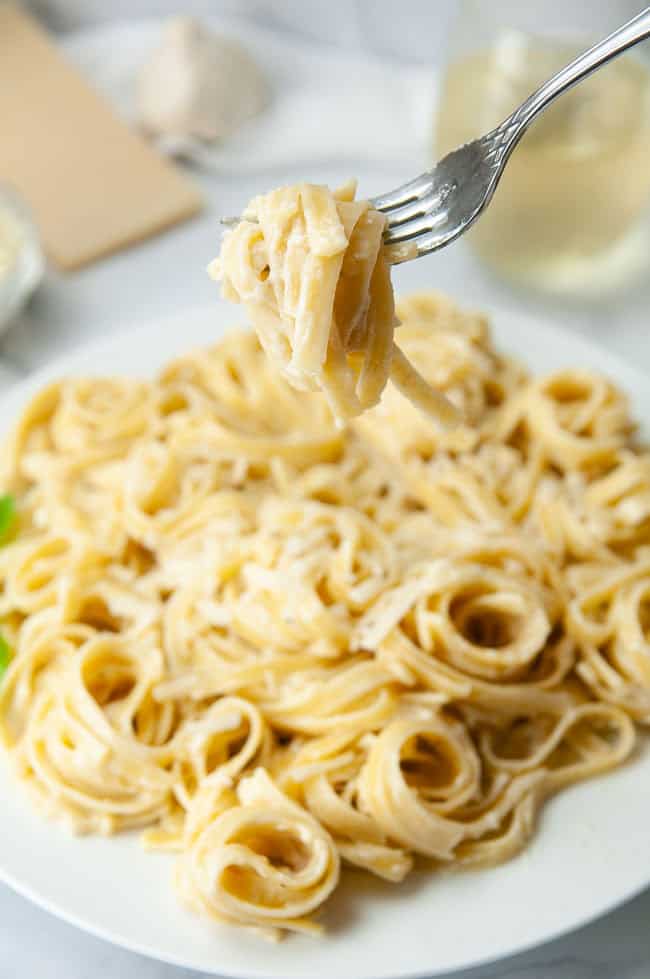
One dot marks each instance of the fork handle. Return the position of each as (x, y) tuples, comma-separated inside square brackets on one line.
[(635, 30)]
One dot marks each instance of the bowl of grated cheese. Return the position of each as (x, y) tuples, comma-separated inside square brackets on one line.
[(21, 259)]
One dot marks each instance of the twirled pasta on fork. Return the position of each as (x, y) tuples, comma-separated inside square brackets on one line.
[(312, 271)]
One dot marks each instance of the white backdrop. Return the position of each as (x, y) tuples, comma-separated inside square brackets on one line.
[(410, 29)]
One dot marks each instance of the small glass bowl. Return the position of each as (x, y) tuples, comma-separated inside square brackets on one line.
[(22, 263)]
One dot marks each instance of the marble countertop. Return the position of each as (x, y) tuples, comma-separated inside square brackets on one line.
[(166, 275)]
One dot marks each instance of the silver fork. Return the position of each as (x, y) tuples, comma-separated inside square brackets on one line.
[(437, 207)]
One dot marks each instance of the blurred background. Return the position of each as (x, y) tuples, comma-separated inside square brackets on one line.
[(203, 104), (367, 25)]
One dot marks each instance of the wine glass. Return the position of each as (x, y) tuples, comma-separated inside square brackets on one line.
[(543, 228)]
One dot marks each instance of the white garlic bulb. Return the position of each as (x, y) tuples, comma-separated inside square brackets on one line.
[(198, 85)]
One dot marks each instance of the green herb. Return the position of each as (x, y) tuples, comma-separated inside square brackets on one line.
[(5, 655), (7, 516)]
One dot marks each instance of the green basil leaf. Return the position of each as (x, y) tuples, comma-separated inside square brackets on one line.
[(5, 655), (7, 516)]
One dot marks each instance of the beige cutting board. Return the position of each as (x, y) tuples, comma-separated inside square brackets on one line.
[(93, 184)]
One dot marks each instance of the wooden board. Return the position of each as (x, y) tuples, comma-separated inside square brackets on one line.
[(94, 185)]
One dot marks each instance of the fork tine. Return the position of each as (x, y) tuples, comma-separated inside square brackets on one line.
[(429, 204), (411, 191), (413, 229), (414, 209)]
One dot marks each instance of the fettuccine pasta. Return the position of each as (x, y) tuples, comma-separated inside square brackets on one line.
[(313, 274), (279, 647)]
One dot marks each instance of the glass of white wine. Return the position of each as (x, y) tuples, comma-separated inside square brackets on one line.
[(571, 212)]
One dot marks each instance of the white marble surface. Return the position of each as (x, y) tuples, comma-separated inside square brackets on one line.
[(166, 275)]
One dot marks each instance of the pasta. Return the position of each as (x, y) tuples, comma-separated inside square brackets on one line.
[(314, 276), (280, 647)]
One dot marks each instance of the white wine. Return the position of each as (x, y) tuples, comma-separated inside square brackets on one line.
[(566, 215)]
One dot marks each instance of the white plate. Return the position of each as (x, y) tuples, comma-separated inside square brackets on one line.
[(591, 851)]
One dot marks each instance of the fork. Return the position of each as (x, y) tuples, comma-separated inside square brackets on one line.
[(441, 204), (437, 207)]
